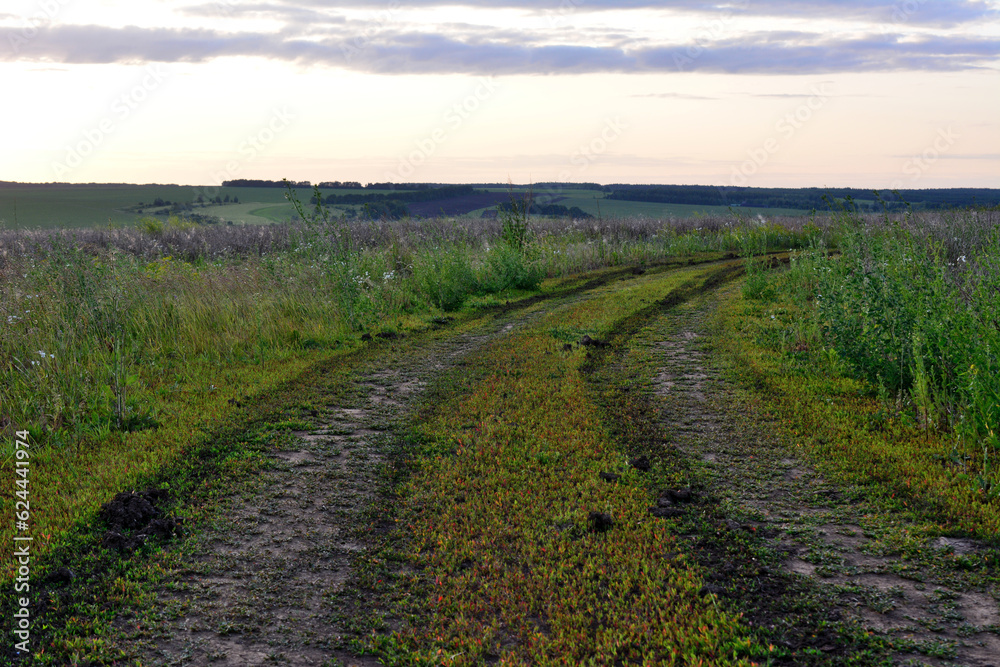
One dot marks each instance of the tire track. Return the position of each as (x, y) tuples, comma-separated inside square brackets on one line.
[(269, 580), (823, 533)]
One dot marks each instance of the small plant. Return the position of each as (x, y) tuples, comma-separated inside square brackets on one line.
[(330, 244), (514, 219)]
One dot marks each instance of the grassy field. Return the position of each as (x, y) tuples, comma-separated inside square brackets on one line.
[(717, 440), (83, 206)]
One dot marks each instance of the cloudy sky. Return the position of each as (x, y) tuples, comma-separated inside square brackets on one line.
[(860, 93)]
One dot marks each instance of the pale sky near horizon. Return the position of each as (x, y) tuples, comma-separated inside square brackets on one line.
[(762, 93)]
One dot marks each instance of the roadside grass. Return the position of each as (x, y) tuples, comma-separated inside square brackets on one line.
[(844, 422), (520, 552), (875, 359), (81, 622)]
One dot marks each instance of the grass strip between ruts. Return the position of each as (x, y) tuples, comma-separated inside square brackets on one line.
[(499, 514)]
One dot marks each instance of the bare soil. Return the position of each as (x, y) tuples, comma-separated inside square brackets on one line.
[(273, 580)]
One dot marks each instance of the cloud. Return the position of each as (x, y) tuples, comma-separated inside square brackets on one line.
[(254, 10), (927, 12), (387, 51), (676, 96)]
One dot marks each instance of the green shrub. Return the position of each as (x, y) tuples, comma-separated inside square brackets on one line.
[(446, 279), (509, 267)]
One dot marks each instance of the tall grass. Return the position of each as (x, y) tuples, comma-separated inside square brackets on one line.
[(95, 321), (912, 305)]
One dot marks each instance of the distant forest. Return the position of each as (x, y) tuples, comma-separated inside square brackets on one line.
[(819, 199), (804, 199)]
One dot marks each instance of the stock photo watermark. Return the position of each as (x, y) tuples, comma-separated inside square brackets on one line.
[(785, 128), (249, 149), (586, 155), (916, 166), (22, 541), (589, 153), (901, 12), (122, 108), (362, 40), (558, 17), (707, 34), (453, 119), (45, 14)]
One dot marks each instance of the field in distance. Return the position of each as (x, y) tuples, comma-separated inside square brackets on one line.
[(30, 206)]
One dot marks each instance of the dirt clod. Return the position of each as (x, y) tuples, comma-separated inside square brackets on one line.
[(587, 341), (62, 575), (679, 495), (600, 522), (710, 589), (641, 463), (130, 510), (139, 512), (610, 477)]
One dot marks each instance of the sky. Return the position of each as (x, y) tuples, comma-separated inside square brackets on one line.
[(852, 93)]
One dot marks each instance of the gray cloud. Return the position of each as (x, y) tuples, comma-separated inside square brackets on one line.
[(930, 12), (279, 12), (385, 51)]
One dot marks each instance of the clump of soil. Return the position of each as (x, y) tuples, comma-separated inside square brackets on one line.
[(677, 496), (132, 518), (587, 341), (600, 522), (641, 463)]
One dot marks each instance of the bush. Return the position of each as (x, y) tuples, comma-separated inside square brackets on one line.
[(507, 267), (446, 279)]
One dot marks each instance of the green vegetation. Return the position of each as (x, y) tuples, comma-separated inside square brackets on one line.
[(181, 356), (885, 351), (61, 206), (817, 199), (116, 344), (503, 507)]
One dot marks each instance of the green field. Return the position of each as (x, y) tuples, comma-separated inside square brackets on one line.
[(80, 206)]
